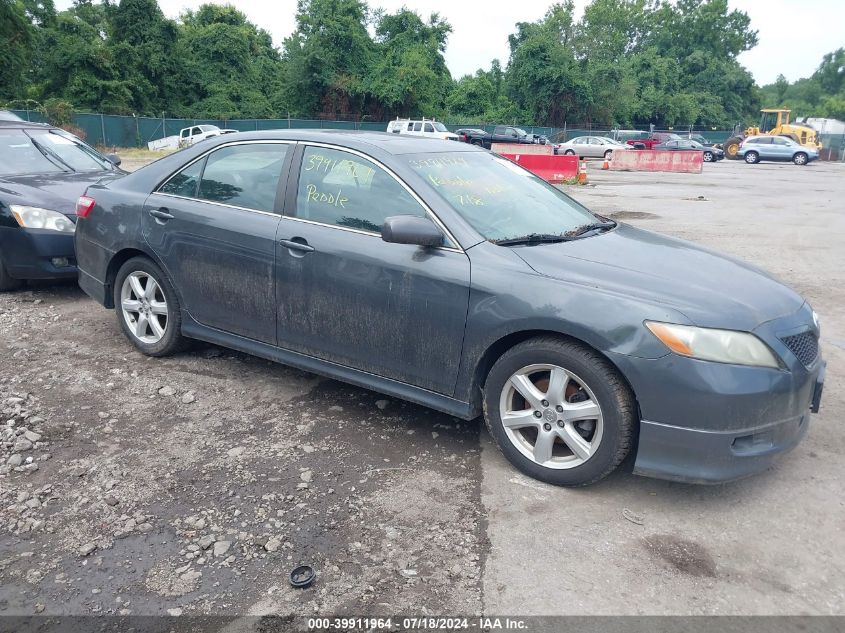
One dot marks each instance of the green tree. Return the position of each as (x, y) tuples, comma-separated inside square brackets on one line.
[(18, 35)]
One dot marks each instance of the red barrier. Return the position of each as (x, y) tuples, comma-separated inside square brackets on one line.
[(657, 160), (550, 168)]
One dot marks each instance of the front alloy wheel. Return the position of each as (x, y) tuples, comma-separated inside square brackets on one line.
[(551, 416), (559, 411), (708, 157)]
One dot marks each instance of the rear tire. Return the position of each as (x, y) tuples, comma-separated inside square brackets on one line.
[(578, 422), (752, 158), (731, 147), (800, 158), (148, 309), (569, 152), (608, 154), (7, 282), (478, 143)]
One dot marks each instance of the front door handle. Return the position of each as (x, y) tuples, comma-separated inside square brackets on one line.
[(161, 214), (297, 244)]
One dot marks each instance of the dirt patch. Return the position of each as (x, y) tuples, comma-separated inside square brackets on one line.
[(134, 486), (684, 555), (633, 215)]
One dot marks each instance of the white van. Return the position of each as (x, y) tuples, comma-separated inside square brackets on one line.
[(421, 127)]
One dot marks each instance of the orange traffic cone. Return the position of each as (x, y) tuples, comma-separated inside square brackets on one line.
[(582, 173), (606, 163)]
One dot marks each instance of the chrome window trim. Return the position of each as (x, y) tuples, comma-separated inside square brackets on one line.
[(158, 191), (431, 214), (217, 204)]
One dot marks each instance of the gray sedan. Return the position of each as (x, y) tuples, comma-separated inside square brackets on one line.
[(443, 274), (591, 147)]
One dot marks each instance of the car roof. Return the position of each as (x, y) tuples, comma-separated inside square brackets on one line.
[(6, 124), (358, 139)]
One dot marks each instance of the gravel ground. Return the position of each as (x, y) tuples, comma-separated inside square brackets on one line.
[(194, 484)]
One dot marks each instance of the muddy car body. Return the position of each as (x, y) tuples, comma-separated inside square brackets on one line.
[(448, 276)]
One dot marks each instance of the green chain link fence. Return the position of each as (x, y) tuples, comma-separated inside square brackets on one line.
[(107, 130)]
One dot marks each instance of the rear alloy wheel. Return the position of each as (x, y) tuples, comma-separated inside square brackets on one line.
[(569, 152), (800, 158), (708, 157), (752, 158), (7, 282), (559, 412), (147, 308), (608, 154)]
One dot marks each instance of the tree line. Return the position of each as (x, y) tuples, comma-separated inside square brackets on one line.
[(623, 62)]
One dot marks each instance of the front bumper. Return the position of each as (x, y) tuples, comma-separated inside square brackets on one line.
[(705, 422), (37, 253)]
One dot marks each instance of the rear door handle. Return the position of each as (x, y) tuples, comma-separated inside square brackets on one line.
[(297, 244), (161, 214)]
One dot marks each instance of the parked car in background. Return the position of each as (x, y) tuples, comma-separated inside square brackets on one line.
[(656, 138), (591, 147), (698, 138), (422, 127), (777, 148), (190, 135), (465, 134), (503, 134), (43, 170), (349, 254), (711, 154)]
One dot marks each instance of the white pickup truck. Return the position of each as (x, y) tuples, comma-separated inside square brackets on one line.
[(187, 136)]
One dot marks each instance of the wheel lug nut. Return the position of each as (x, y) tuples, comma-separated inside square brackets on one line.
[(537, 414), (545, 403), (560, 423), (547, 426), (559, 408)]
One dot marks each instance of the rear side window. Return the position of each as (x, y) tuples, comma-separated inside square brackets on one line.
[(417, 126), (244, 175), (762, 141), (343, 189), (185, 182)]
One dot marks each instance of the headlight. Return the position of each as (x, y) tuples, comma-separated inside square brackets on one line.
[(37, 218), (723, 346)]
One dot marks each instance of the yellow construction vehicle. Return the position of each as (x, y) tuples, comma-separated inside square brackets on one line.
[(773, 122)]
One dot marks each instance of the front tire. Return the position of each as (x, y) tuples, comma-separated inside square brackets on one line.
[(752, 158), (147, 308), (800, 158), (7, 282), (608, 154), (708, 157), (559, 412), (569, 152)]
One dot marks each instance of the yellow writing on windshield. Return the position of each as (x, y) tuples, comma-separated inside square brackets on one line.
[(334, 199)]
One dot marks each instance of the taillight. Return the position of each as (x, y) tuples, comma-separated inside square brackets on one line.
[(83, 206)]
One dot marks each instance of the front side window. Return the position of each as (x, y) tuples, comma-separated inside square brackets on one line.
[(343, 189), (429, 127), (196, 131), (244, 175), (498, 198)]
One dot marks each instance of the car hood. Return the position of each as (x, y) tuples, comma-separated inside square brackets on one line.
[(710, 289), (57, 192)]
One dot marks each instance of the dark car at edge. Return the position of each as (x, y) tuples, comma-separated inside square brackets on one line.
[(43, 170), (448, 276)]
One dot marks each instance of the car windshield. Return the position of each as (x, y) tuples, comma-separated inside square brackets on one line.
[(499, 199), (520, 131), (695, 144), (440, 127), (39, 151)]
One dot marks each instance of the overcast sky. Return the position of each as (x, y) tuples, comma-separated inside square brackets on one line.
[(793, 34)]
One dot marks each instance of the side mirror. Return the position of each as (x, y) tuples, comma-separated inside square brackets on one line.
[(114, 159), (411, 229)]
